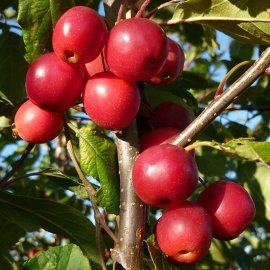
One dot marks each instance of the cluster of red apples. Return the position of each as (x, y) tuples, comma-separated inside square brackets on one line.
[(165, 176), (103, 67)]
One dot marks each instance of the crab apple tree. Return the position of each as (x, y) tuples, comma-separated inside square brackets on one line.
[(118, 122)]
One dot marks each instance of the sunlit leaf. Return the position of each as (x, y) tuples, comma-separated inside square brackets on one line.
[(98, 158), (57, 8), (244, 148), (68, 257), (245, 20), (260, 188), (37, 18)]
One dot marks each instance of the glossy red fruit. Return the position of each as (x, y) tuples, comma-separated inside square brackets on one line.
[(54, 84), (173, 65), (136, 49), (156, 137), (171, 114), (111, 102), (36, 125), (230, 207), (96, 66), (164, 175), (79, 35), (184, 233), (267, 71)]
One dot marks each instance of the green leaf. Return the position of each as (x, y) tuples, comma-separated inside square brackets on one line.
[(32, 213), (9, 234), (242, 51), (205, 164), (221, 252), (58, 8), (242, 258), (6, 106), (66, 181), (37, 18), (244, 20), (4, 122), (158, 258), (98, 158), (68, 257), (12, 68), (259, 188), (216, 252), (243, 148)]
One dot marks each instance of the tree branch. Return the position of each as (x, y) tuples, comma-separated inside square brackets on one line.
[(222, 101), (128, 253), (18, 163)]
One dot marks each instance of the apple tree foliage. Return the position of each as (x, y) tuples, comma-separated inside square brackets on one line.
[(46, 220)]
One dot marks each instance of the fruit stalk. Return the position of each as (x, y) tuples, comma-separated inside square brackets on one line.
[(127, 253), (222, 101)]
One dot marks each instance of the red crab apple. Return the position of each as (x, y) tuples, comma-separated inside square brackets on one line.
[(136, 49), (79, 35), (230, 207), (36, 125), (173, 65), (267, 71), (156, 137), (171, 114), (164, 175), (184, 232), (111, 102), (54, 84)]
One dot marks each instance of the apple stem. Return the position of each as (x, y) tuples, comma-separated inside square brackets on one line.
[(142, 8), (198, 144), (219, 104), (103, 61), (202, 182), (164, 5), (120, 11), (229, 74)]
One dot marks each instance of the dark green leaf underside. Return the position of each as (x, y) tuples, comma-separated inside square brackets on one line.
[(32, 213)]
